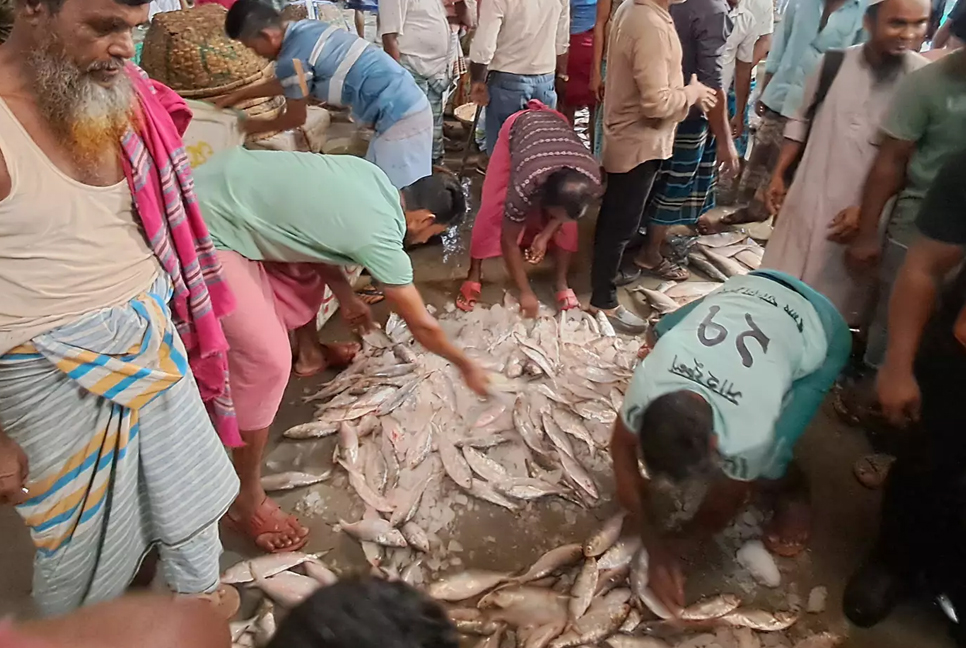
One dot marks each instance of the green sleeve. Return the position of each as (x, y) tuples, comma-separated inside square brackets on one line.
[(908, 115), (387, 262)]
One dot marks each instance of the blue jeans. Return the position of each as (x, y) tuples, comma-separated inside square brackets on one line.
[(509, 94)]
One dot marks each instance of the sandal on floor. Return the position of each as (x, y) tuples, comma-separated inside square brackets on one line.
[(772, 538), (268, 520), (627, 276), (872, 470), (665, 270), (370, 295), (468, 296), (337, 356), (225, 600), (567, 300)]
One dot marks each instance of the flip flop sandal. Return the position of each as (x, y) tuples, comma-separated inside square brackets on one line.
[(334, 358), (268, 520), (665, 270), (872, 470), (370, 295), (567, 300), (225, 600), (470, 294), (781, 548), (627, 276)]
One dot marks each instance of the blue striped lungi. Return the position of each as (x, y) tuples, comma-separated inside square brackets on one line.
[(684, 187), (122, 455)]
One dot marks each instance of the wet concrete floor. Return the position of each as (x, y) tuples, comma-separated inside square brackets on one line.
[(488, 537)]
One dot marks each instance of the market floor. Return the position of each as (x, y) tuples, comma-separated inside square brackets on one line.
[(845, 513)]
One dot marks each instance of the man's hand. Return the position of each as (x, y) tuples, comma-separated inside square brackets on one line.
[(13, 472), (227, 101), (899, 395), (597, 85), (666, 576), (844, 226), (775, 194), (479, 93), (700, 95), (863, 254), (728, 164), (357, 315), (737, 126), (529, 305), (475, 378)]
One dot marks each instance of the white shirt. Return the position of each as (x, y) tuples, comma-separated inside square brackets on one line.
[(160, 6), (521, 36), (752, 19), (423, 33)]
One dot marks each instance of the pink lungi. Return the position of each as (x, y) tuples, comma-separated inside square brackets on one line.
[(488, 227), (273, 299)]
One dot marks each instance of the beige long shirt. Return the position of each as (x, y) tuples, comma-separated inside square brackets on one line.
[(644, 96), (521, 36)]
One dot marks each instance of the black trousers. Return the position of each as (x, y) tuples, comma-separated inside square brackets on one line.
[(620, 216), (923, 528)]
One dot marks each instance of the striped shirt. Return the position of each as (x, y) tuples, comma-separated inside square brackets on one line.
[(341, 69), (542, 142)]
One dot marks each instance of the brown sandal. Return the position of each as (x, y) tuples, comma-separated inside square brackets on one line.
[(268, 520)]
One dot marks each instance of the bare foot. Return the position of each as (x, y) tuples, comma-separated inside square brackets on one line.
[(315, 358), (265, 524), (788, 532)]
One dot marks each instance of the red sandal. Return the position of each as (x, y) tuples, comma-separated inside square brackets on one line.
[(468, 296), (567, 300), (268, 520)]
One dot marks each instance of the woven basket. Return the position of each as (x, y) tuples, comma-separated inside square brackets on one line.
[(6, 19), (189, 52), (268, 110)]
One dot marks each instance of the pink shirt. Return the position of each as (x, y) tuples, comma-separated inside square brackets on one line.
[(224, 3)]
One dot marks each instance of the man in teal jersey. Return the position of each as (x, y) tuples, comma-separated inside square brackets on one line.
[(723, 395)]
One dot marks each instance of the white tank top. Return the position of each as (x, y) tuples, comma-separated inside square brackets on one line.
[(66, 248)]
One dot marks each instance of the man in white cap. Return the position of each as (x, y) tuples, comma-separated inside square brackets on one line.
[(833, 139)]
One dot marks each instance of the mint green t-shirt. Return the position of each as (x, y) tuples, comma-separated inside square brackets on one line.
[(302, 207), (929, 108), (740, 348)]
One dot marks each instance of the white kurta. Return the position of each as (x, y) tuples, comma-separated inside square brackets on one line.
[(841, 148)]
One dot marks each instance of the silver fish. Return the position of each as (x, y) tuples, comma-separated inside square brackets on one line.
[(761, 620), (389, 460), (611, 578), (729, 267), (541, 636), (472, 621), (265, 624), (294, 479), (750, 258), (406, 500), (288, 588), (412, 574), (596, 411), (559, 438), (605, 536), (514, 365), (349, 442), (574, 427), (490, 415), (616, 398), (632, 621), (399, 397), (596, 374), (525, 488), (311, 430), (483, 466), (374, 530), (485, 441), (316, 569), (362, 488), (420, 446), (538, 358), (658, 301), (454, 463), (711, 608), (583, 590), (705, 267), (405, 353), (494, 640), (466, 584), (397, 436), (523, 424), (264, 566), (603, 618), (553, 394), (689, 291), (482, 490), (369, 403), (394, 371), (606, 328), (239, 628), (578, 475), (367, 425), (529, 597), (373, 552), (374, 468), (631, 641), (620, 554), (551, 561), (415, 536)]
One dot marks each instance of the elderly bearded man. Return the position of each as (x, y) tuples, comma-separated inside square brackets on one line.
[(110, 288)]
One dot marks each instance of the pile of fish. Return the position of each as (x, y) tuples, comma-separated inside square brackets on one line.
[(718, 257)]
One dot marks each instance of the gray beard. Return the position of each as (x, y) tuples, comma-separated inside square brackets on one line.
[(87, 116)]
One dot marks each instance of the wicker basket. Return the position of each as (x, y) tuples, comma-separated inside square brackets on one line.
[(189, 52), (6, 19)]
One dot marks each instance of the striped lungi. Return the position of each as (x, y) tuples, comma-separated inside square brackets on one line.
[(684, 187), (122, 454)]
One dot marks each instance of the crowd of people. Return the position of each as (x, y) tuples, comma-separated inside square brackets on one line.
[(153, 313)]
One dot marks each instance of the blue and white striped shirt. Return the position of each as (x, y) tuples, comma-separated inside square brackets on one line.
[(341, 69)]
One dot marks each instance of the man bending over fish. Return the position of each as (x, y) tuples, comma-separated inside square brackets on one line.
[(539, 182), (727, 386), (283, 223)]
